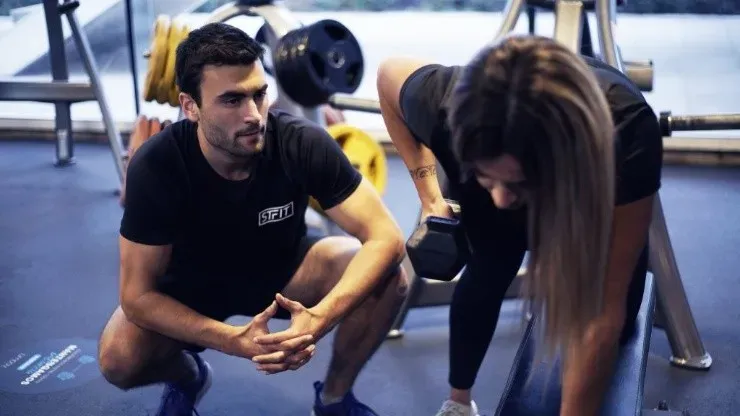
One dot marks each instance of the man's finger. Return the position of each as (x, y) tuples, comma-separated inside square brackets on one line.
[(271, 358), (268, 313), (291, 305), (301, 363), (301, 355), (282, 336), (272, 368), (293, 344)]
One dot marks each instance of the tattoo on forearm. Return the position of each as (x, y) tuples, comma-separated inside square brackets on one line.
[(423, 172)]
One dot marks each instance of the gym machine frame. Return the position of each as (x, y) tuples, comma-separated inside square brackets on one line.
[(672, 305), (63, 93)]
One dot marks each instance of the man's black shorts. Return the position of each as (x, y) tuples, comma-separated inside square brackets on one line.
[(221, 301)]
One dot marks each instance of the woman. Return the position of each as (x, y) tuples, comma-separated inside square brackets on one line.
[(546, 152)]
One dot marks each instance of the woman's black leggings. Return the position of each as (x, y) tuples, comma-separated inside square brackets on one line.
[(480, 292)]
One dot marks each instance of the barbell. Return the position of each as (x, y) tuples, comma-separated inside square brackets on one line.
[(670, 122)]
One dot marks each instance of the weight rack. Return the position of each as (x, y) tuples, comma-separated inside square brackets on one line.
[(63, 93)]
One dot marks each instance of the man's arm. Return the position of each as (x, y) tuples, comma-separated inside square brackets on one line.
[(364, 216), (146, 307), (418, 158), (590, 362)]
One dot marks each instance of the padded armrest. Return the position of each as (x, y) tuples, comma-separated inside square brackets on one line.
[(541, 396)]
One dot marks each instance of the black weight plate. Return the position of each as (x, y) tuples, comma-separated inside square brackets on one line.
[(336, 47), (316, 61), (292, 69), (261, 38)]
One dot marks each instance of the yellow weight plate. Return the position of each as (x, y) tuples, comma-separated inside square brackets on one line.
[(168, 87), (163, 95), (157, 56), (365, 154)]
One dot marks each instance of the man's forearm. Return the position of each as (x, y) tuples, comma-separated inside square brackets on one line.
[(162, 314), (588, 372), (370, 266)]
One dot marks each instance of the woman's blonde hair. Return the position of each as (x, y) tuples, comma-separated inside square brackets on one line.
[(531, 98)]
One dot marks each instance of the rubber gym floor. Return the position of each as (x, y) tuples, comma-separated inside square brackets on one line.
[(58, 286)]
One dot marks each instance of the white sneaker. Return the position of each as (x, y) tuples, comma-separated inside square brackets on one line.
[(453, 408)]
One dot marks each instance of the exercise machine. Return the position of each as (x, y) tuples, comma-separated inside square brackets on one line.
[(63, 93), (572, 16)]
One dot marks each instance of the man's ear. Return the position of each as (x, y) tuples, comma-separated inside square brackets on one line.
[(189, 107)]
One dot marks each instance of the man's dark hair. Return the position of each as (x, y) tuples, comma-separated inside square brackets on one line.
[(213, 44)]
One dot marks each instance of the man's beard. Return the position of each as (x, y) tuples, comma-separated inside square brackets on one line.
[(220, 138)]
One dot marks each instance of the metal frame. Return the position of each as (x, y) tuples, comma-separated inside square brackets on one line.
[(641, 73), (132, 54), (680, 327), (59, 92), (63, 93), (569, 17), (59, 73)]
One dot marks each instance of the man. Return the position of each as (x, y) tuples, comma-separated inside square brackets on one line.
[(213, 226), (549, 153)]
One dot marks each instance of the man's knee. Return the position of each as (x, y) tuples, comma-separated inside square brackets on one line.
[(118, 363), (126, 351)]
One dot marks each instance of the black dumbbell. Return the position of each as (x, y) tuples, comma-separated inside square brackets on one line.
[(438, 248)]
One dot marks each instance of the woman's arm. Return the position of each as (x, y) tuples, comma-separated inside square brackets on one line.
[(589, 363)]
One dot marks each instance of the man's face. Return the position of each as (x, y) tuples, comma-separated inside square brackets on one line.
[(503, 179), (233, 109)]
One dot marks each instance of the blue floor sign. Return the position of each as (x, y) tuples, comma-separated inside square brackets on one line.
[(49, 366)]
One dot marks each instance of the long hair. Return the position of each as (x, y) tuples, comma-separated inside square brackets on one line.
[(530, 97)]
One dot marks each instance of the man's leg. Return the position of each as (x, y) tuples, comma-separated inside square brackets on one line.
[(130, 356), (362, 331)]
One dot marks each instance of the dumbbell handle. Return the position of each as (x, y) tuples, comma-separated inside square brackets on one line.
[(438, 223)]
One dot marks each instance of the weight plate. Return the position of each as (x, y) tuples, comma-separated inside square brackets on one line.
[(316, 61), (261, 38), (168, 86), (365, 154), (157, 56)]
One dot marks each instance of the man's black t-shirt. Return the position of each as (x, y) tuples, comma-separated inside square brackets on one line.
[(232, 231), (638, 142)]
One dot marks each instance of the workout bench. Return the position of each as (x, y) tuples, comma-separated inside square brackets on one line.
[(541, 396)]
